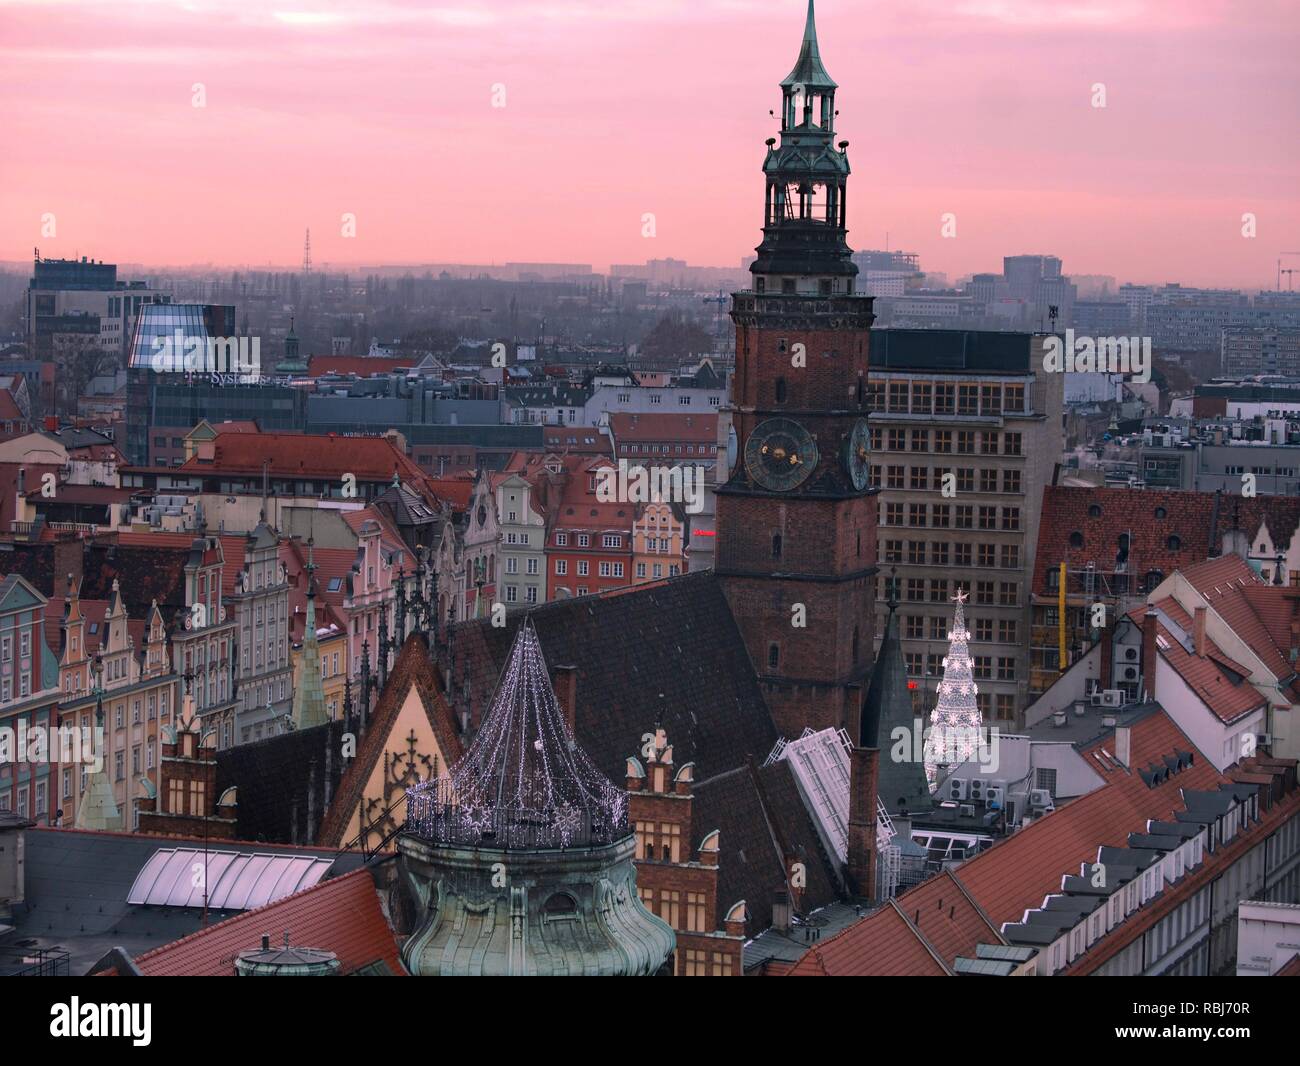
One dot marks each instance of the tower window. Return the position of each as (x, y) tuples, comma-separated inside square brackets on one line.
[(824, 285), (773, 656), (855, 644), (780, 390), (776, 545), (787, 285)]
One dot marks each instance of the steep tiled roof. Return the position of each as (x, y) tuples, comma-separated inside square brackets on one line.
[(667, 653), (1218, 680), (412, 669), (667, 426), (285, 783), (937, 914), (1100, 516), (885, 944), (1291, 969), (342, 915), (300, 455), (1243, 599), (1019, 871), (761, 819), (949, 920), (456, 491)]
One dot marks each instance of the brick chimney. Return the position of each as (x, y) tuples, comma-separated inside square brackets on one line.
[(1198, 630), (864, 775), (68, 558), (565, 684), (1149, 654), (1107, 658)]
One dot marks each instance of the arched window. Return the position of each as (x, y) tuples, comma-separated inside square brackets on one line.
[(773, 656), (560, 905), (780, 390), (776, 545)]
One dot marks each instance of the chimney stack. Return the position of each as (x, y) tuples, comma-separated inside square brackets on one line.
[(1149, 654), (1198, 630), (565, 684), (864, 775), (1123, 747)]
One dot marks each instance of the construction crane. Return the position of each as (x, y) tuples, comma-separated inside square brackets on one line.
[(1288, 272), (718, 301)]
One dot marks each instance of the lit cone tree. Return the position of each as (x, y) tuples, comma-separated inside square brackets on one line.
[(955, 722)]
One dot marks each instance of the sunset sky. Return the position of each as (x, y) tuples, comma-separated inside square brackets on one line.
[(383, 108)]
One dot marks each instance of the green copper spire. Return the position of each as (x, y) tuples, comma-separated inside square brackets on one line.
[(808, 70), (309, 695), (98, 807), (887, 708)]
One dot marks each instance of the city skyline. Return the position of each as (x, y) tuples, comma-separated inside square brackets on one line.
[(434, 173)]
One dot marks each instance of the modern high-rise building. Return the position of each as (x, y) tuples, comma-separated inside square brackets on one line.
[(79, 303), (965, 432), (172, 386)]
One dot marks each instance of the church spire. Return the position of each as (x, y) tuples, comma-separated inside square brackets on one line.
[(887, 708), (804, 247), (808, 70), (308, 693)]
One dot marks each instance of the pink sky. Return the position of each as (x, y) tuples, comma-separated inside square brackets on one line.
[(382, 108)]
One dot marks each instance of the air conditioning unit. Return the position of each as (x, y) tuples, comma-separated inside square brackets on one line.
[(1112, 697), (1039, 798), (975, 789), (1263, 739), (1097, 698), (967, 810), (957, 788), (994, 797)]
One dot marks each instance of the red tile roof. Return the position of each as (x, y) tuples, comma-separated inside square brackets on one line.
[(1017, 873), (667, 427), (362, 366), (295, 455), (580, 439), (1188, 516), (1243, 599), (1291, 969), (885, 944), (341, 915), (1227, 696)]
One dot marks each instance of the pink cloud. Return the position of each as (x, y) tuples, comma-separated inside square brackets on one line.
[(977, 107)]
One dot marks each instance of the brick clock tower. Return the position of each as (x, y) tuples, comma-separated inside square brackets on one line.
[(796, 519)]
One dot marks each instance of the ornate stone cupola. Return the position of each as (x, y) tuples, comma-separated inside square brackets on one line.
[(520, 858)]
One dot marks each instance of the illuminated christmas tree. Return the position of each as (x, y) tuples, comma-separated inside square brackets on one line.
[(955, 722)]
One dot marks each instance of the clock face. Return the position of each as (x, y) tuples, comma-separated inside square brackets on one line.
[(857, 454), (780, 454)]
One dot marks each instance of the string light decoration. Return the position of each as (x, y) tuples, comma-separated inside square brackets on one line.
[(524, 782), (955, 722)]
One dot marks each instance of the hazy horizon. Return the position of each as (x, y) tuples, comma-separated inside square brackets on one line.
[(978, 108)]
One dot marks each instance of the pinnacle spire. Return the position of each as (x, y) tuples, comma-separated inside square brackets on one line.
[(808, 69)]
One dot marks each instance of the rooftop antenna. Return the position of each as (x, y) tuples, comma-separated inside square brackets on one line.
[(306, 253)]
